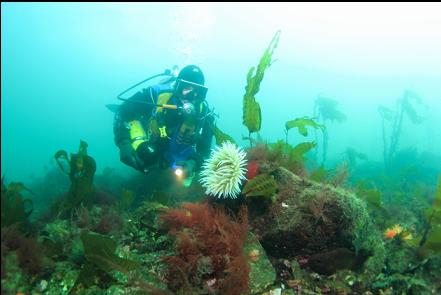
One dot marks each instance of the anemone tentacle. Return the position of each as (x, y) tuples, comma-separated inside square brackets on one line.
[(223, 171)]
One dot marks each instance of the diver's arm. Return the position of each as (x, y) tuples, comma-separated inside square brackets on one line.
[(121, 130)]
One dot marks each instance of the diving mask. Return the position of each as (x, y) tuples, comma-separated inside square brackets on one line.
[(190, 91)]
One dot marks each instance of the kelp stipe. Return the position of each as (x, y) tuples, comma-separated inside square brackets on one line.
[(325, 109), (431, 238), (405, 105)]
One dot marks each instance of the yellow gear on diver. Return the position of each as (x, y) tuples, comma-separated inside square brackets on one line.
[(163, 99), (137, 133), (162, 131)]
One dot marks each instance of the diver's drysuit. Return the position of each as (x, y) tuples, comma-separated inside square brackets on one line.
[(147, 134)]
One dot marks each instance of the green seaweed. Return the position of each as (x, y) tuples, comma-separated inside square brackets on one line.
[(297, 154), (261, 185), (286, 155), (319, 175), (251, 108), (252, 117), (277, 150), (127, 198), (431, 238), (221, 137), (433, 241), (301, 124), (14, 208), (100, 251), (401, 284), (101, 261), (372, 198)]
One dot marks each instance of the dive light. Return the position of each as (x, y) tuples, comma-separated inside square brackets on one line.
[(179, 172), (182, 175)]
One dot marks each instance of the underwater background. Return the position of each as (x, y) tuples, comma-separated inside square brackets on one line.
[(62, 63)]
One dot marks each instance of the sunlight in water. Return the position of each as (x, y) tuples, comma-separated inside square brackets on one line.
[(192, 24)]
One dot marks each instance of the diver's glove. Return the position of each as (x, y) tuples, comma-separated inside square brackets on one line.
[(129, 157), (147, 153)]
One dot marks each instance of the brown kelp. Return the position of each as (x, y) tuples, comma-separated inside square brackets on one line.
[(406, 105), (99, 251), (325, 109), (251, 108), (14, 208), (81, 171)]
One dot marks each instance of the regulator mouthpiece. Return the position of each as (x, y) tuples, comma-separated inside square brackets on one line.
[(188, 109)]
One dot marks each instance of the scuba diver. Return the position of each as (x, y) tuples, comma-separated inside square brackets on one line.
[(168, 125)]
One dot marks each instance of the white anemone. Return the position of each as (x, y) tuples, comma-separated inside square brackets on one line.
[(223, 172)]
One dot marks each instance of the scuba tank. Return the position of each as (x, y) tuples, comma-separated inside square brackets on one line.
[(137, 133)]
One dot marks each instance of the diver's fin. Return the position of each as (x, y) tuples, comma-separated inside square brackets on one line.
[(113, 107)]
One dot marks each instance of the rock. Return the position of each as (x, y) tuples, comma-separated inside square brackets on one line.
[(309, 218), (262, 273), (329, 262)]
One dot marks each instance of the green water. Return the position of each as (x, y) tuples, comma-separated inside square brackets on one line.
[(61, 63)]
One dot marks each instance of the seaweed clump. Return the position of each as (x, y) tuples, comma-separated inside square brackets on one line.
[(27, 249), (208, 250), (82, 168), (431, 239), (15, 210)]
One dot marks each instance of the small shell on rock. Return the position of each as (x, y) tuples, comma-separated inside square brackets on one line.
[(254, 255)]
